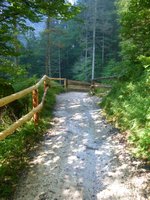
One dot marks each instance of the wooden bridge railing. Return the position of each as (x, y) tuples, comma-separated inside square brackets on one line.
[(36, 106)]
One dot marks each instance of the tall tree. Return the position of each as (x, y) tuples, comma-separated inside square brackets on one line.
[(48, 46), (135, 41), (71, 42), (104, 31), (94, 39), (13, 21)]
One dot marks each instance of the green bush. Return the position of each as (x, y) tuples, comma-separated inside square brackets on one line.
[(128, 105)]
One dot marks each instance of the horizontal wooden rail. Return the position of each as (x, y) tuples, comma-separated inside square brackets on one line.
[(37, 107), (23, 119), (71, 82), (20, 122), (58, 79), (95, 84), (32, 113), (6, 100)]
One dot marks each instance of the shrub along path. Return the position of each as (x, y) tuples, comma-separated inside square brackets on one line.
[(82, 157)]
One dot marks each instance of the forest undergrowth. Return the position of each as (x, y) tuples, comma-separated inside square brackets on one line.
[(128, 106)]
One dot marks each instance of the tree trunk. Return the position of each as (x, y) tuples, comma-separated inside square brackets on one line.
[(48, 58), (59, 60), (16, 43), (103, 50), (94, 34), (86, 53)]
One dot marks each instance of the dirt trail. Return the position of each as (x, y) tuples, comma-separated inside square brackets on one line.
[(81, 158)]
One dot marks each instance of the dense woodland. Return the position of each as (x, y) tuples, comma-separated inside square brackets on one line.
[(64, 48), (69, 48), (84, 41)]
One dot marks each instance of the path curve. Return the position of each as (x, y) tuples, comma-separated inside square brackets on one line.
[(81, 158)]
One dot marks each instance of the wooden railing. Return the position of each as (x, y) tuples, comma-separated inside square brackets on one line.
[(78, 85), (95, 84), (36, 106), (45, 80)]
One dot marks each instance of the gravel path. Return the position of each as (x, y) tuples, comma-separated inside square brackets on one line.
[(82, 158)]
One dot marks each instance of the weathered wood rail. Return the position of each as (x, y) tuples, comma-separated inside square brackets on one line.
[(46, 81), (36, 106), (60, 79), (95, 84), (78, 85)]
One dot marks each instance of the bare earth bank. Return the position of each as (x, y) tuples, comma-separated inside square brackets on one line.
[(82, 158)]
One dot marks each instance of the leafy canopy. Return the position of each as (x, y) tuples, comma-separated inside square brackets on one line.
[(16, 13)]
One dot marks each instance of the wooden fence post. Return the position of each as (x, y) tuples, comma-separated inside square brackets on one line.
[(65, 83), (92, 87), (45, 86), (35, 104)]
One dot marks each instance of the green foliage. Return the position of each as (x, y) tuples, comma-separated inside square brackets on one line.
[(15, 20), (111, 68), (101, 92), (25, 83), (10, 112), (128, 102), (33, 56), (15, 13), (145, 61), (5, 88), (82, 70), (135, 24), (128, 106), (13, 156), (16, 149), (106, 38), (9, 71)]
